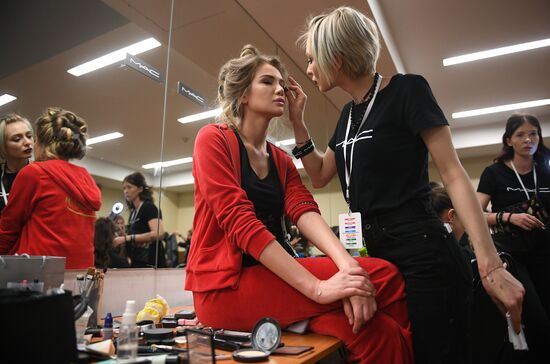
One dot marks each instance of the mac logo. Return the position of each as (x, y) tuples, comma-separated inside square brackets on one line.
[(190, 94), (142, 67)]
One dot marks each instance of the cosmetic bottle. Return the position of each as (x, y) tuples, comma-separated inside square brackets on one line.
[(128, 335), (107, 330)]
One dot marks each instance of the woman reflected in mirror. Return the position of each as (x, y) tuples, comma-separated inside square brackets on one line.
[(53, 203), (16, 147), (144, 224)]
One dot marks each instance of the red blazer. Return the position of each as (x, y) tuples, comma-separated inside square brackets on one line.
[(225, 224)]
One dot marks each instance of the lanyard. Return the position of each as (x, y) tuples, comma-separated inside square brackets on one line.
[(521, 182), (367, 112), (4, 194), (134, 215)]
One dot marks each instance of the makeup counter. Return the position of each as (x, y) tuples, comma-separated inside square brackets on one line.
[(53, 320)]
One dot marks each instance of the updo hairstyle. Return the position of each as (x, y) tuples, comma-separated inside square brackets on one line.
[(235, 78), (62, 134)]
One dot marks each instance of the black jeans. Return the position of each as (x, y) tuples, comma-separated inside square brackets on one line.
[(437, 276)]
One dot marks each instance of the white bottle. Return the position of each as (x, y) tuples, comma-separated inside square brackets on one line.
[(128, 335)]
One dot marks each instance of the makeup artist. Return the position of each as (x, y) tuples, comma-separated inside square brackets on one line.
[(379, 150), (241, 267)]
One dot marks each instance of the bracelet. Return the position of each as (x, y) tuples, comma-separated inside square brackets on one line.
[(486, 276), (307, 141), (133, 238), (508, 219), (499, 218), (304, 150), (125, 238)]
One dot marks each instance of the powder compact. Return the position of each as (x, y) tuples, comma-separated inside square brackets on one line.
[(265, 338)]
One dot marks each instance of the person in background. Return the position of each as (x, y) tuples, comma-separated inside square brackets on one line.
[(241, 268), (16, 146), (379, 150), (144, 225), (120, 226), (53, 203), (105, 254), (120, 230), (518, 186)]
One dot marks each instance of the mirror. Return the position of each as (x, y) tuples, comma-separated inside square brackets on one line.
[(196, 38), (46, 40)]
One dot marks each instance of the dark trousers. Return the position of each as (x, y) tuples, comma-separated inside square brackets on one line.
[(437, 276)]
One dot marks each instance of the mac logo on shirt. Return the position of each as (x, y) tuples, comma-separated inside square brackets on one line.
[(362, 135), (515, 189)]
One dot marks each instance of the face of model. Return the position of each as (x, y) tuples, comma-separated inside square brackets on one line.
[(265, 95), (119, 224), (131, 192), (524, 140), (19, 141), (313, 72)]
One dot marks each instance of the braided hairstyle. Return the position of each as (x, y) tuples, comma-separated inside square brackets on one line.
[(62, 134)]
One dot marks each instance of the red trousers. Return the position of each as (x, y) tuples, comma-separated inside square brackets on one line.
[(385, 338)]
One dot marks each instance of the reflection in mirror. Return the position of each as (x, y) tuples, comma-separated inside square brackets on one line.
[(122, 105)]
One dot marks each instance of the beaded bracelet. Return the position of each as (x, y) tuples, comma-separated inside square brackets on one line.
[(499, 218), (304, 150)]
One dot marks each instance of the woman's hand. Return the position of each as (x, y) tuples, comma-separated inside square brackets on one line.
[(119, 240), (296, 102), (358, 310), (507, 293), (346, 283), (525, 221)]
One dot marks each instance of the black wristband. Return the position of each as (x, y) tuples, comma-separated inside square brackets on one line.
[(304, 150), (509, 217), (499, 218)]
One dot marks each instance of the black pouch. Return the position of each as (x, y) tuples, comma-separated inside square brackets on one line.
[(49, 318)]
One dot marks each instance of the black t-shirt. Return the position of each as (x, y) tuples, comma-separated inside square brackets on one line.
[(139, 221), (267, 197), (390, 164), (501, 183), (8, 182)]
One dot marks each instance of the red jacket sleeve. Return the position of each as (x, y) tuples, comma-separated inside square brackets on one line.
[(298, 199), (215, 175), (18, 211)]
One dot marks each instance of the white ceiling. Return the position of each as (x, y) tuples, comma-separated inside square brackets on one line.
[(44, 42)]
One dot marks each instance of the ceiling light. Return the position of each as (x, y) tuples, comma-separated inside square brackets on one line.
[(165, 164), (104, 138), (494, 109), (286, 142), (496, 52), (6, 99), (114, 57), (200, 116)]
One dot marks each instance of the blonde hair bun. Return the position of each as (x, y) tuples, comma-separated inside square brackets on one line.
[(249, 50)]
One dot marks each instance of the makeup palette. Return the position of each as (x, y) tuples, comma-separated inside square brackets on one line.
[(265, 338)]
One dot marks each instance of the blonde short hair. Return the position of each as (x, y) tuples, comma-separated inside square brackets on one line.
[(4, 121), (344, 36), (235, 78), (62, 134)]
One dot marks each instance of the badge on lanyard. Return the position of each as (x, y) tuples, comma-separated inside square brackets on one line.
[(350, 230), (351, 234)]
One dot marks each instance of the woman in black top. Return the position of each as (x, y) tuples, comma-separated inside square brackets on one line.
[(380, 152), (518, 186), (16, 146), (144, 224)]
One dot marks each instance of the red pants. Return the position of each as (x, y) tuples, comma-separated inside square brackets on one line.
[(385, 338)]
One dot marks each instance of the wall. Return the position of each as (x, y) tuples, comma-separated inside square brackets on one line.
[(140, 285)]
